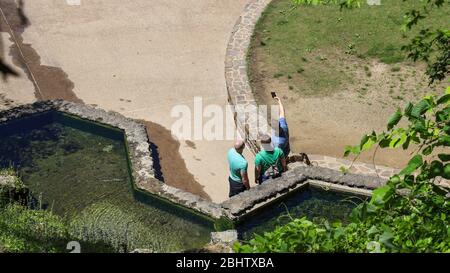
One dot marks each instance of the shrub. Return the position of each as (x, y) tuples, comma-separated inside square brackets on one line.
[(26, 230)]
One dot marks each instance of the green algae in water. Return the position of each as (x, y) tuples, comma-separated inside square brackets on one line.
[(83, 176), (315, 204)]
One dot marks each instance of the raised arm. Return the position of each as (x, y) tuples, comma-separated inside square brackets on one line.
[(282, 113)]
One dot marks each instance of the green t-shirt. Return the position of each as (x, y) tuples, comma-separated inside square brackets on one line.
[(238, 165), (266, 159)]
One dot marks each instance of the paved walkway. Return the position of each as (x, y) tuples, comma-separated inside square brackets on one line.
[(355, 167)]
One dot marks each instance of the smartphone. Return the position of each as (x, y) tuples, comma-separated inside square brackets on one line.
[(274, 94)]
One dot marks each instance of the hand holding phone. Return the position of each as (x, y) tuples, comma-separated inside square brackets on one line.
[(274, 94)]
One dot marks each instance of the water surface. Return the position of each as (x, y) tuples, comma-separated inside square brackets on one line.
[(311, 202), (80, 171)]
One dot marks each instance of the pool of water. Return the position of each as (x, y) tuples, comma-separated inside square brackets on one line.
[(314, 203), (80, 171)]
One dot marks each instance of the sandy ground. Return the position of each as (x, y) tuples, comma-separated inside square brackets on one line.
[(326, 124), (140, 58)]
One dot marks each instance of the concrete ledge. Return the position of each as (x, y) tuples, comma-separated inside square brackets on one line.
[(338, 188), (246, 203), (337, 177)]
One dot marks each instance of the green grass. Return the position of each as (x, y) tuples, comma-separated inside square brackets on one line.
[(318, 38)]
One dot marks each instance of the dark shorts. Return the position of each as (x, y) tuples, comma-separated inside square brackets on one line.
[(236, 187), (264, 178)]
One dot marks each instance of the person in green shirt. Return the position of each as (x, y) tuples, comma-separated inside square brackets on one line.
[(238, 178), (270, 162)]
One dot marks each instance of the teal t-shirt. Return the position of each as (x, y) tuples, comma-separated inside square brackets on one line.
[(267, 159), (238, 165)]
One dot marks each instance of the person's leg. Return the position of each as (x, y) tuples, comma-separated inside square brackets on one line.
[(260, 180), (240, 188), (235, 187), (263, 179), (231, 193)]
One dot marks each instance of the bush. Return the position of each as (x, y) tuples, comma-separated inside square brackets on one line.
[(26, 230), (12, 189)]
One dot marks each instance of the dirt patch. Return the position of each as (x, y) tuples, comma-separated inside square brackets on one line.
[(190, 144), (173, 168), (49, 82), (325, 123), (339, 76)]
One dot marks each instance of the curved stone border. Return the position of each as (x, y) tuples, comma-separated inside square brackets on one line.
[(238, 86), (240, 93), (355, 167), (138, 149)]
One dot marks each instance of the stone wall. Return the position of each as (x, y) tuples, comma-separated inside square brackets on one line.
[(239, 90), (143, 171), (240, 94), (249, 201), (138, 149)]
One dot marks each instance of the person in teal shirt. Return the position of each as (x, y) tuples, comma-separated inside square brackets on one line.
[(238, 178), (268, 157)]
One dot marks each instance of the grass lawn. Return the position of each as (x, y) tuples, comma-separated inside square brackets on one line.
[(340, 74), (317, 49)]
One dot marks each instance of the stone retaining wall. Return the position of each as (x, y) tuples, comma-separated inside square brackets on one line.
[(143, 171), (240, 93), (249, 201), (138, 149), (239, 90)]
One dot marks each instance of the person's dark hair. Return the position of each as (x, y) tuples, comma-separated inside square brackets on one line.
[(265, 138)]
